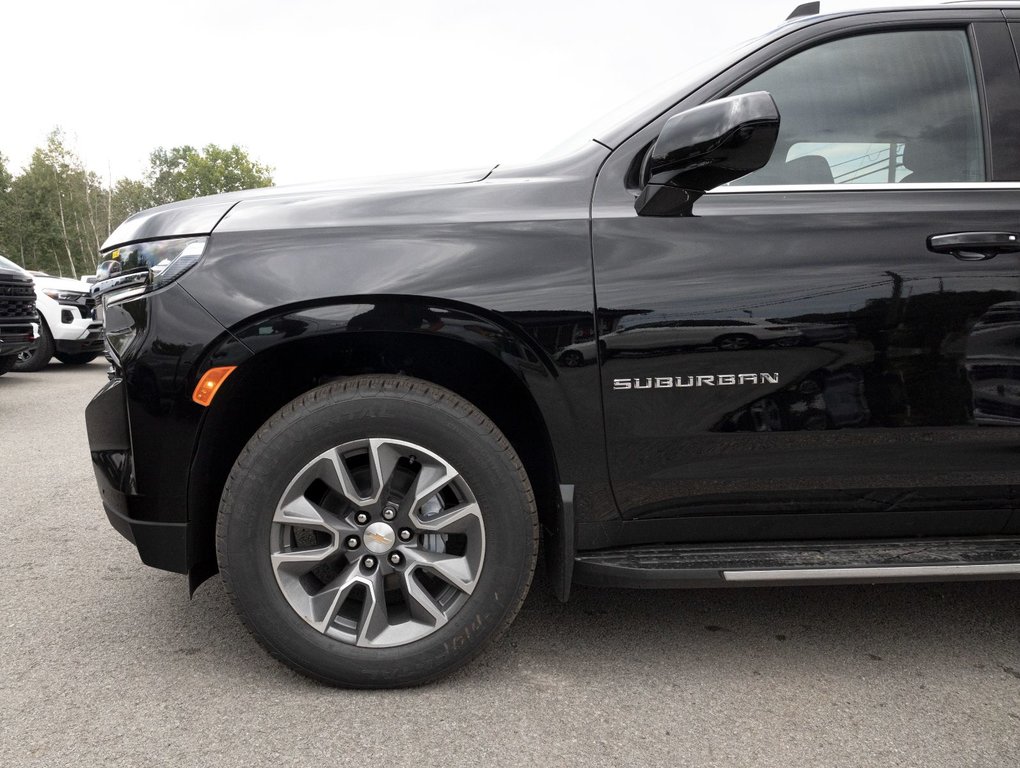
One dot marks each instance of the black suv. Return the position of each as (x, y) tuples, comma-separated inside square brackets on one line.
[(18, 317), (355, 404)]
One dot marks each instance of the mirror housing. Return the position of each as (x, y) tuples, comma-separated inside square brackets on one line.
[(704, 148)]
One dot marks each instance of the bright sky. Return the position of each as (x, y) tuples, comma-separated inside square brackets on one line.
[(324, 89)]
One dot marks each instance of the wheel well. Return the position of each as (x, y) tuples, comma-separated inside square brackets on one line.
[(270, 380)]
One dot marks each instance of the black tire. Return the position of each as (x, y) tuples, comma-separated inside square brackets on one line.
[(7, 363), (76, 358), (409, 412), (38, 357)]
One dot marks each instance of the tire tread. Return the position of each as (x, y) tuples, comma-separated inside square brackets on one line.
[(366, 387)]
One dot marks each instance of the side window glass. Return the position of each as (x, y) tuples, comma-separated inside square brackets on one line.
[(886, 108)]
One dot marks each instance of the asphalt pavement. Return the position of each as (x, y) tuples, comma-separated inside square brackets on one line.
[(104, 661)]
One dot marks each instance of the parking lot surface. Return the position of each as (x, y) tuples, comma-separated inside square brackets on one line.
[(104, 661)]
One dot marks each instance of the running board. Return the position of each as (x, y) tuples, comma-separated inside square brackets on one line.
[(856, 562)]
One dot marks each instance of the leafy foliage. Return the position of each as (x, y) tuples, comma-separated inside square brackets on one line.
[(55, 214), (184, 172)]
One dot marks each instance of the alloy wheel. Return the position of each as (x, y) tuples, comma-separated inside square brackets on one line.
[(377, 542)]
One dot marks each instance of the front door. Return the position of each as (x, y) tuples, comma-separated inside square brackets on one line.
[(801, 358)]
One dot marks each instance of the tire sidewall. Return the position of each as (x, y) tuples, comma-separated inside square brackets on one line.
[(42, 352), (295, 437)]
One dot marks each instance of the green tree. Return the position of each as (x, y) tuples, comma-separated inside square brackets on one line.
[(56, 213), (37, 226), (129, 197), (184, 172), (8, 231), (59, 212)]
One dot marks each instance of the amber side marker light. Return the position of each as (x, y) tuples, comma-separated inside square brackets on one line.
[(210, 384)]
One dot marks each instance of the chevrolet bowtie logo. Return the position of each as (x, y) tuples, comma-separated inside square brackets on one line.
[(379, 538)]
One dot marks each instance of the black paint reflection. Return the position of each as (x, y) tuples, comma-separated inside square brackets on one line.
[(790, 317), (993, 365), (912, 361), (905, 359)]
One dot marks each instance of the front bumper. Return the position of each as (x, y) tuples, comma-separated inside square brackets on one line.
[(90, 341), (75, 327), (160, 544), (144, 427), (16, 339)]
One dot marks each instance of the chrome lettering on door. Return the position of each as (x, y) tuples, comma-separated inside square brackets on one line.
[(713, 380)]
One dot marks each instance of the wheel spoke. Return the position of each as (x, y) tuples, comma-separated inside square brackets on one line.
[(296, 509), (433, 476), (302, 513), (325, 603), (375, 618), (383, 456), (423, 607), (298, 562), (454, 570)]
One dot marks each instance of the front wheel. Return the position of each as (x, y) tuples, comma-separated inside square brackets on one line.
[(377, 532), (37, 357)]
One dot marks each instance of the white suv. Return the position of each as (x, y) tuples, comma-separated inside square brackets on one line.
[(68, 329)]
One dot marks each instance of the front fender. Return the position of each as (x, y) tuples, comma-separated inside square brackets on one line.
[(315, 324), (322, 340), (495, 363)]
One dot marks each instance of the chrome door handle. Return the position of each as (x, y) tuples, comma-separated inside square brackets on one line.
[(975, 246)]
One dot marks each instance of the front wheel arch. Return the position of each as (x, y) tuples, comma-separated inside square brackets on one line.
[(246, 402)]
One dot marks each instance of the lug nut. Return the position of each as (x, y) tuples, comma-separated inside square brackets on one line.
[(369, 562), (405, 534), (389, 513), (353, 542), (362, 518), (395, 558)]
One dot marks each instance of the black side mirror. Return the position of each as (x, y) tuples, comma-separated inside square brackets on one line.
[(705, 147)]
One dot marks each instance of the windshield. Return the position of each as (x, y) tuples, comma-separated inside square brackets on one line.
[(666, 94)]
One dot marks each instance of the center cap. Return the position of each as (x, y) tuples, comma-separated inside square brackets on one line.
[(379, 538)]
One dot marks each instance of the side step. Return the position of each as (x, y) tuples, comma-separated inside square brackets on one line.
[(842, 562)]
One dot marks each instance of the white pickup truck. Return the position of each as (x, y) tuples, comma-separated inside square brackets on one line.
[(68, 329)]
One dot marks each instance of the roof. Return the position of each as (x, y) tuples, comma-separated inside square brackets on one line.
[(909, 6)]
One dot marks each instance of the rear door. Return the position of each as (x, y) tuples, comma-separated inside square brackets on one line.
[(862, 380)]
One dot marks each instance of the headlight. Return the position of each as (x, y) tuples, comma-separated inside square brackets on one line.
[(65, 297), (131, 270), (168, 259)]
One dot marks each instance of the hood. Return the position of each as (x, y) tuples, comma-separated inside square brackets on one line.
[(61, 283), (8, 272), (200, 215), (9, 268)]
